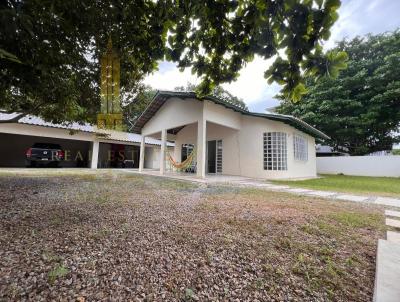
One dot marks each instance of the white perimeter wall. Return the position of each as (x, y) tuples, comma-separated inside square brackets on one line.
[(360, 165)]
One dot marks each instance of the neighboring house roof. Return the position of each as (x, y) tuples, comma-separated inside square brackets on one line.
[(328, 149), (162, 96), (105, 134)]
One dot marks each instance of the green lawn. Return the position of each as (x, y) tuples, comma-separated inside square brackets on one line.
[(385, 186)]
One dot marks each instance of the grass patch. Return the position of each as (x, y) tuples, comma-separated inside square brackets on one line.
[(385, 186), (58, 272), (358, 220)]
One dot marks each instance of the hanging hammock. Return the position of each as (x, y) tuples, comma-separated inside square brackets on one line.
[(182, 165)]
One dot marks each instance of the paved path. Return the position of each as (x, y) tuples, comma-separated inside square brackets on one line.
[(262, 184), (386, 201), (387, 275)]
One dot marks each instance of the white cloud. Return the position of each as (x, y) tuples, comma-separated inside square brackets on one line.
[(168, 77), (251, 84), (360, 17)]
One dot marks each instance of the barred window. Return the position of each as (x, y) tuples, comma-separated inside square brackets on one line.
[(187, 149), (275, 151), (300, 148)]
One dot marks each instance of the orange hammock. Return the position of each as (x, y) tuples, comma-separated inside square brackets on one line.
[(183, 165)]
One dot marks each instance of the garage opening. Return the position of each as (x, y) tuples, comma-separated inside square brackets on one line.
[(118, 156), (13, 149)]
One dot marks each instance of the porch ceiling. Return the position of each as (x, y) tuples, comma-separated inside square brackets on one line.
[(175, 131)]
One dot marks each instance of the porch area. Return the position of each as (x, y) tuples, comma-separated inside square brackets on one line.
[(201, 150)]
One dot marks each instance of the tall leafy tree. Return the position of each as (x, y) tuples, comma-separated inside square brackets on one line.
[(49, 50), (136, 103), (360, 109), (218, 91)]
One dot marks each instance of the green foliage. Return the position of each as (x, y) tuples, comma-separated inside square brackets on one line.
[(50, 50), (190, 295), (396, 152), (360, 109), (58, 272), (218, 92), (228, 34), (137, 103)]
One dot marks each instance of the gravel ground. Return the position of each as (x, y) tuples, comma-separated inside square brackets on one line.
[(109, 236)]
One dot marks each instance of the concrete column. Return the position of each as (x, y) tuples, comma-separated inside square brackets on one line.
[(142, 150), (201, 148), (162, 152), (95, 154)]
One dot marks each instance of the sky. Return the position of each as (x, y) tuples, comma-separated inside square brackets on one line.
[(356, 18)]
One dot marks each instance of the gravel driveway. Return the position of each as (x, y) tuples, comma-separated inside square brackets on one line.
[(109, 236)]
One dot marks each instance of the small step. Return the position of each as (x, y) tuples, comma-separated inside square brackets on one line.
[(392, 213), (393, 223), (393, 237), (387, 277)]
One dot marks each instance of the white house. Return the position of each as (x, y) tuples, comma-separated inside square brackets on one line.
[(228, 139)]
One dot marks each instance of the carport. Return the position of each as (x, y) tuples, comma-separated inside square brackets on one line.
[(83, 145), (14, 147)]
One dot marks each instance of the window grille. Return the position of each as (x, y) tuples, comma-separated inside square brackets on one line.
[(219, 156), (300, 148), (275, 151)]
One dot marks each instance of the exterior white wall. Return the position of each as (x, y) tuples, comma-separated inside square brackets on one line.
[(388, 166), (252, 150), (152, 158), (174, 113), (218, 114), (32, 130)]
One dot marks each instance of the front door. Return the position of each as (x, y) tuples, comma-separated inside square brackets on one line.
[(214, 156), (211, 156)]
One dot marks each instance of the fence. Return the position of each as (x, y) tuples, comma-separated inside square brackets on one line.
[(360, 165)]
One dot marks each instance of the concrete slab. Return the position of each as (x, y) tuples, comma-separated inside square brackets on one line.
[(387, 278), (387, 201), (276, 187), (392, 213), (393, 237), (355, 198), (295, 190), (393, 223), (321, 193)]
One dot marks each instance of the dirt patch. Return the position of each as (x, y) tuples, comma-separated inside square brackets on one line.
[(110, 236)]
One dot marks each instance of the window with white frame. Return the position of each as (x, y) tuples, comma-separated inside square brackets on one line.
[(300, 147), (275, 151)]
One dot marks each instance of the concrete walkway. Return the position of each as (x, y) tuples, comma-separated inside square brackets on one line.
[(387, 275), (262, 184)]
